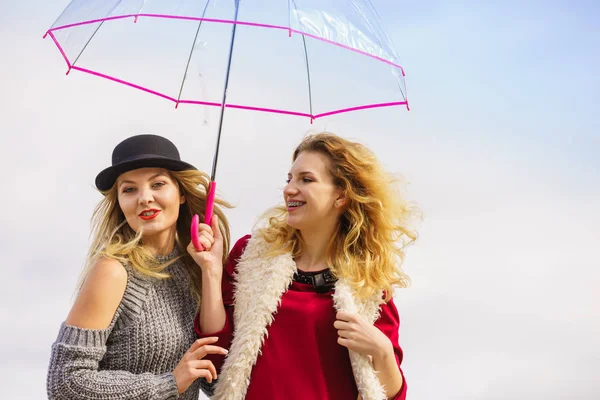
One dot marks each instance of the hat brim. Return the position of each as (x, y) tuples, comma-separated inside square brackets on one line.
[(106, 178)]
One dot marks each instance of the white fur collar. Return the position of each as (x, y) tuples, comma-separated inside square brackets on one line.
[(259, 284)]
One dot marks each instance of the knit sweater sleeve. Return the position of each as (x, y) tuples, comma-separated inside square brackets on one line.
[(74, 371)]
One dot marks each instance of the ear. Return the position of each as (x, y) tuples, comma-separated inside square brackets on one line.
[(341, 200), (182, 198)]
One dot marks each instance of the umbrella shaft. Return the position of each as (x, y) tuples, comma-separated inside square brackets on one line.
[(223, 102)]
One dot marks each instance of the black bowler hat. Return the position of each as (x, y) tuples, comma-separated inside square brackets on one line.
[(141, 151)]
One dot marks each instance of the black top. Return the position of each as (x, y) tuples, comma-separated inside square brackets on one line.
[(322, 280)]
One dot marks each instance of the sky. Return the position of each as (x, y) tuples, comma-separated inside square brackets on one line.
[(499, 150)]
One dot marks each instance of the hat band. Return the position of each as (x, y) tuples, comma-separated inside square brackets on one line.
[(140, 157)]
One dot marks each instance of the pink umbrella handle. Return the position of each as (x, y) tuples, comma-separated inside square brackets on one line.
[(210, 205), (194, 233), (210, 202)]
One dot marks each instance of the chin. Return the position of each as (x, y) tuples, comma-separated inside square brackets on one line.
[(299, 225), (148, 233), (152, 229), (293, 223)]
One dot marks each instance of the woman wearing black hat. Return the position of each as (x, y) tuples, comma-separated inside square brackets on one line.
[(130, 332)]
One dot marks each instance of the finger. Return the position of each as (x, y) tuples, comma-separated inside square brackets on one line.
[(341, 325), (205, 365), (202, 351), (216, 228), (191, 249), (209, 236), (344, 316), (206, 243), (343, 342), (202, 342), (205, 228), (344, 334), (202, 373)]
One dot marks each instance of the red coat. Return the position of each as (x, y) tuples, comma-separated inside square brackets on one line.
[(300, 358)]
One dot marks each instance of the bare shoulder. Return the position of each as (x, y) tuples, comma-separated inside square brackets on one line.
[(107, 271), (99, 296)]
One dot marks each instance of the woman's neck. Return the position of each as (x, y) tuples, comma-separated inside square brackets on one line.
[(314, 251), (161, 244)]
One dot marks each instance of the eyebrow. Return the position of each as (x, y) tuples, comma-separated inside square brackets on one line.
[(152, 177), (302, 173)]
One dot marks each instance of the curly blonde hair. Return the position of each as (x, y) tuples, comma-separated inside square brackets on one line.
[(373, 231), (113, 238)]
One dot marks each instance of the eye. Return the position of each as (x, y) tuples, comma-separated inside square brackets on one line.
[(128, 190), (288, 180), (158, 185), (306, 180)]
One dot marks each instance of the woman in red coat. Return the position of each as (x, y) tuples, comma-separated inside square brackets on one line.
[(304, 305)]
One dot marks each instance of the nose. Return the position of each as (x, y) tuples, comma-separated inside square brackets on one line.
[(145, 196), (290, 189)]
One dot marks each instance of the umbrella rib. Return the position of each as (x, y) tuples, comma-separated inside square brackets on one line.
[(290, 17), (94, 34), (88, 42), (402, 92), (305, 58), (308, 78), (190, 56)]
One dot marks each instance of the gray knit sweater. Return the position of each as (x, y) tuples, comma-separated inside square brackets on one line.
[(134, 357)]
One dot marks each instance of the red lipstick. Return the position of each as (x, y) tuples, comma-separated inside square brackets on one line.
[(150, 214)]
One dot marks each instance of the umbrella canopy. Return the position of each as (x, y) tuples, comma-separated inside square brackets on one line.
[(179, 50), (308, 58)]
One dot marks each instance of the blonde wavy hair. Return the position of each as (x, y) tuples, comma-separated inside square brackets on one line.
[(373, 231), (113, 238)]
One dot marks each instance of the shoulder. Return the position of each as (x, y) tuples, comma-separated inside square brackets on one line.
[(230, 268), (108, 270), (99, 296), (389, 317), (240, 245), (390, 308), (236, 252)]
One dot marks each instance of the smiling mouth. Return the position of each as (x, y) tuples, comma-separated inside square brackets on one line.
[(294, 205), (149, 214)]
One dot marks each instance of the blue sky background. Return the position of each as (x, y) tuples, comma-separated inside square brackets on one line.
[(499, 150)]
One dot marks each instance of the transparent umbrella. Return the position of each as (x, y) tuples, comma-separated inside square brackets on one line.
[(307, 58)]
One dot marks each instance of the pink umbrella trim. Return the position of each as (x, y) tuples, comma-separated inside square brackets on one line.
[(214, 104), (227, 21)]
